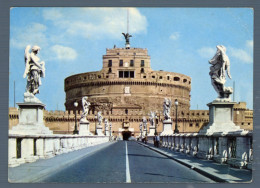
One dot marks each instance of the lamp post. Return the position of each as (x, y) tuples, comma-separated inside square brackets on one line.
[(110, 126), (95, 124), (141, 129), (176, 121), (75, 129)]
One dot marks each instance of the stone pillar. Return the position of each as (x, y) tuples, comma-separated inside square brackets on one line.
[(177, 142), (48, 148), (194, 145), (223, 150), (28, 150), (99, 130), (182, 143), (40, 148), (242, 152), (173, 142), (151, 131), (56, 146), (167, 127), (12, 156), (30, 120), (203, 147), (84, 128), (187, 144)]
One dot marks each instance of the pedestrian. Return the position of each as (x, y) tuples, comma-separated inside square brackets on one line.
[(157, 141)]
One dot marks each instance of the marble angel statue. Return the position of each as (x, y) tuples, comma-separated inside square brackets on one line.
[(220, 66), (34, 69), (167, 108), (85, 106)]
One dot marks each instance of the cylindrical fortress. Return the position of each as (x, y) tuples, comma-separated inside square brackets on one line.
[(126, 89)]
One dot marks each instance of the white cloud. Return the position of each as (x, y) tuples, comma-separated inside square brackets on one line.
[(97, 23), (52, 14), (175, 36), (250, 44), (206, 52), (64, 53), (240, 54), (33, 34)]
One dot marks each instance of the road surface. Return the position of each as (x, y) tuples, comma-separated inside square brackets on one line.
[(125, 162)]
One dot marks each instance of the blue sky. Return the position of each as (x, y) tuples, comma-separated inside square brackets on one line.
[(182, 40)]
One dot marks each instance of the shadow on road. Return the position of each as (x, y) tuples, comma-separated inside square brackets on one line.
[(148, 156), (174, 177)]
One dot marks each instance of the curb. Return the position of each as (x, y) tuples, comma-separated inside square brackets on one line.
[(203, 172)]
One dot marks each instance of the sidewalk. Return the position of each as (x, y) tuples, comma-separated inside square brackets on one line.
[(215, 171), (30, 172)]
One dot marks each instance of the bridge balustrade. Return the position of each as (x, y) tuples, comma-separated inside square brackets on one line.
[(29, 148), (234, 149)]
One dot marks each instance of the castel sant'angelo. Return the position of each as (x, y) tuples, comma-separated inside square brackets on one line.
[(125, 90)]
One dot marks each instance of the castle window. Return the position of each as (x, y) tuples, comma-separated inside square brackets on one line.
[(99, 76), (126, 74), (126, 111), (142, 70), (144, 76), (142, 63), (153, 76), (110, 63), (190, 124), (132, 74), (168, 77), (121, 63), (248, 123), (184, 80), (176, 79), (109, 70), (197, 124), (131, 63), (160, 77), (121, 74)]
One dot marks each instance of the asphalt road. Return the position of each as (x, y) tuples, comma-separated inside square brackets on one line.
[(125, 162)]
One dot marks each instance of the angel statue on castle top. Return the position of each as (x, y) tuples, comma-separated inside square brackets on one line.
[(34, 69)]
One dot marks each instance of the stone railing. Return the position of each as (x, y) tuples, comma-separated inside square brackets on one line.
[(234, 149), (29, 148)]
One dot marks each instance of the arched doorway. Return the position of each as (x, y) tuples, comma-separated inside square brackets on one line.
[(126, 135)]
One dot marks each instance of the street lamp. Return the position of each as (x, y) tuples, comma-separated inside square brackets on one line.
[(141, 126), (75, 129), (176, 122), (95, 124), (110, 125)]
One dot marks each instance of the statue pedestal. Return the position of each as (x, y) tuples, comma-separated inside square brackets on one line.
[(220, 118), (151, 131), (30, 120), (220, 123), (84, 128), (99, 130), (107, 133), (167, 127)]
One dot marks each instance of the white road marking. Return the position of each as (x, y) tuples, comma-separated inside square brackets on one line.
[(128, 177)]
